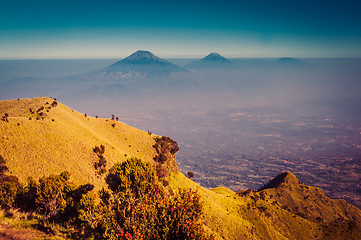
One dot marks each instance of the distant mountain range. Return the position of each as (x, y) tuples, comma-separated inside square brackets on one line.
[(290, 61), (140, 71)]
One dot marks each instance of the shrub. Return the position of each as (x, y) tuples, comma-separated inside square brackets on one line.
[(9, 189), (54, 103), (5, 118), (166, 149), (165, 146), (40, 109), (102, 149), (133, 174), (3, 167), (101, 164), (26, 197), (96, 149), (51, 194), (190, 174), (138, 207)]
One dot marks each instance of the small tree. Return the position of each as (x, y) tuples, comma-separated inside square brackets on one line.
[(190, 174), (3, 167)]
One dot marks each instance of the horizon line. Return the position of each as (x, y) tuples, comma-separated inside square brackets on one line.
[(113, 57)]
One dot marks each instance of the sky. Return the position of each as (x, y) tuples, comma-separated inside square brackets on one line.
[(179, 28)]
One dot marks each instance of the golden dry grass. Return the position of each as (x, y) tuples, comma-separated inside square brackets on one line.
[(64, 140), (273, 213)]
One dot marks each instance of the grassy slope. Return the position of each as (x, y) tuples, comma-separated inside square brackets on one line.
[(275, 213), (43, 147)]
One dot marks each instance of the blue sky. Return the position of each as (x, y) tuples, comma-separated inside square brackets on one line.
[(107, 28)]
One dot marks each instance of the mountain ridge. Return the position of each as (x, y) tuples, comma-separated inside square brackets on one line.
[(43, 136)]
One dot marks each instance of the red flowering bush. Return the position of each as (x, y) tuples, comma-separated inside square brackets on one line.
[(138, 207)]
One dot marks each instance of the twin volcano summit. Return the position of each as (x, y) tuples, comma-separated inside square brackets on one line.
[(147, 63), (144, 70)]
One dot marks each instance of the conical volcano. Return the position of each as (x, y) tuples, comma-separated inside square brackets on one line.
[(213, 60), (142, 57), (143, 62)]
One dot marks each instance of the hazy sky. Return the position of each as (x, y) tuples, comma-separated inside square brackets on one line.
[(179, 28)]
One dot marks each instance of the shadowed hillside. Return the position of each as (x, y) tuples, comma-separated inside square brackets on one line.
[(41, 136)]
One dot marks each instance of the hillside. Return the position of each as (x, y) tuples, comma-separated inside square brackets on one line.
[(63, 140), (49, 140), (289, 211)]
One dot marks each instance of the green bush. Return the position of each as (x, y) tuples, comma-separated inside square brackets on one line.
[(138, 207), (9, 186), (8, 193), (51, 193)]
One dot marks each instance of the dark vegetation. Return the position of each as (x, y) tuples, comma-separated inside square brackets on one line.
[(100, 166), (190, 174), (165, 158), (134, 206), (54, 103), (40, 113), (5, 117), (8, 185)]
